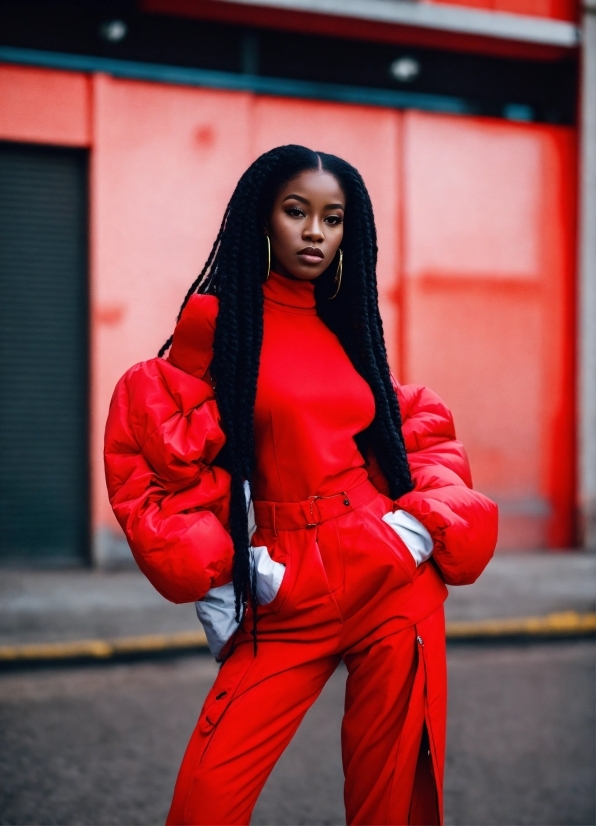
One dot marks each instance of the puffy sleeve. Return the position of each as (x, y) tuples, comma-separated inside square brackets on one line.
[(461, 521), (162, 436)]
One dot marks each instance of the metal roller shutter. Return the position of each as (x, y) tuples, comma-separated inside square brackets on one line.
[(44, 488)]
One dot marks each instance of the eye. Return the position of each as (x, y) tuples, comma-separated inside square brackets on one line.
[(295, 212), (334, 220)]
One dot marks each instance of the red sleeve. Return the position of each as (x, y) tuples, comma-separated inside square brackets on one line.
[(462, 522), (162, 436)]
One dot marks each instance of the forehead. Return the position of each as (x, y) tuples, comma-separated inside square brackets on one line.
[(314, 184)]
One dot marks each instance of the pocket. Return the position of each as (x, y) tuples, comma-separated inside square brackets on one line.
[(412, 533), (282, 592), (396, 545), (269, 575)]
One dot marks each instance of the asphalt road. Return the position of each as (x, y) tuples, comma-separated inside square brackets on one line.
[(101, 745)]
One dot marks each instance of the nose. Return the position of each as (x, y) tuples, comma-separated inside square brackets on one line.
[(314, 231)]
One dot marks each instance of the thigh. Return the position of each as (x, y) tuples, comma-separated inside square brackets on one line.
[(248, 719)]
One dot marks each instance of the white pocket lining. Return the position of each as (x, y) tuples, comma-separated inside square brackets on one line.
[(412, 533)]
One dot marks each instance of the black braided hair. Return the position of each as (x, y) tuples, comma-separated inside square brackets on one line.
[(234, 272)]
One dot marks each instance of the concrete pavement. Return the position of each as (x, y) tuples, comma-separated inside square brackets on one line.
[(102, 745)]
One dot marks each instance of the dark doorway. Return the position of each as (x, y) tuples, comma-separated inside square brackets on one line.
[(44, 479)]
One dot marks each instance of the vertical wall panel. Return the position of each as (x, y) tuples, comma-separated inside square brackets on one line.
[(43, 355), (165, 162), (487, 271)]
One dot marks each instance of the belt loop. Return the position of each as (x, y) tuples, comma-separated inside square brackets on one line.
[(273, 523)]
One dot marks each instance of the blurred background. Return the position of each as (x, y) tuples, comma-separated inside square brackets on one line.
[(124, 127)]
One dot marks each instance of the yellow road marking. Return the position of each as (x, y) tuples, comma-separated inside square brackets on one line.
[(564, 623), (559, 624), (103, 649)]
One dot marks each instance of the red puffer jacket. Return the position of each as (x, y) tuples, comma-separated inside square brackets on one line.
[(163, 434)]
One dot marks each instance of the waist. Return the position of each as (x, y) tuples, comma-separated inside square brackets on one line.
[(293, 516)]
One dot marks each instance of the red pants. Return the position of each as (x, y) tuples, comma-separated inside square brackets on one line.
[(345, 595)]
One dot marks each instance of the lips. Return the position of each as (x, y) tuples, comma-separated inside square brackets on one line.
[(311, 255)]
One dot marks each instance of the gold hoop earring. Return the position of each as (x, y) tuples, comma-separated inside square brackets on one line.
[(338, 275), (268, 257)]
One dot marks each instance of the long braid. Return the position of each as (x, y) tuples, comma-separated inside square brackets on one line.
[(234, 272), (238, 275), (355, 318)]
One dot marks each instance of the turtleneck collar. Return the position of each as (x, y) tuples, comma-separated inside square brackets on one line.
[(294, 294)]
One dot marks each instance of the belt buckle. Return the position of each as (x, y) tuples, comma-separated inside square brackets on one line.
[(312, 500)]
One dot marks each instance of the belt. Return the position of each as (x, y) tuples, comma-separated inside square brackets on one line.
[(293, 516)]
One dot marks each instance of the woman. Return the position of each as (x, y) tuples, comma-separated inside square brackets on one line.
[(265, 471)]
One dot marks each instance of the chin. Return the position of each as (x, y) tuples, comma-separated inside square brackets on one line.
[(308, 273)]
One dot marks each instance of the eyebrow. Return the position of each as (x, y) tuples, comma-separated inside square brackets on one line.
[(307, 202)]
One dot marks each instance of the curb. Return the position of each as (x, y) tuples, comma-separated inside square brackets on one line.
[(561, 624), (148, 644), (557, 625)]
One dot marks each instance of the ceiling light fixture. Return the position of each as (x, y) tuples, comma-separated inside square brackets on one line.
[(405, 69), (113, 30)]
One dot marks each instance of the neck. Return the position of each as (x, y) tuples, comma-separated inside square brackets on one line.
[(290, 292)]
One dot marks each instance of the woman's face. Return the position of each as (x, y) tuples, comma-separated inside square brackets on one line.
[(306, 225)]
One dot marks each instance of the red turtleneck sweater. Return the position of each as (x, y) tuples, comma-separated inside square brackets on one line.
[(310, 401)]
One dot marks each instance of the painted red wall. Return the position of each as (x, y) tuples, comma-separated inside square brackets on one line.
[(44, 106), (488, 294), (476, 238), (165, 162)]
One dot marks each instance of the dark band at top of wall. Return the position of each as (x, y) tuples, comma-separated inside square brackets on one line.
[(171, 49)]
